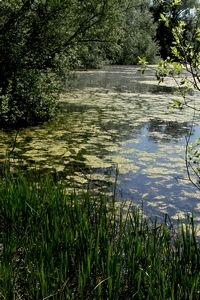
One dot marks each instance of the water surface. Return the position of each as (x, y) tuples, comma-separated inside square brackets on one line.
[(116, 119)]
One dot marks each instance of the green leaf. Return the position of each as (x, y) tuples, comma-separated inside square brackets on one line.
[(164, 19), (177, 103), (176, 2), (197, 34)]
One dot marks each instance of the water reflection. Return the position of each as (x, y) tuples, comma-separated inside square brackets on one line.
[(168, 130), (115, 118)]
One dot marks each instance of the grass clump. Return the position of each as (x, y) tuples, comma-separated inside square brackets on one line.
[(58, 246)]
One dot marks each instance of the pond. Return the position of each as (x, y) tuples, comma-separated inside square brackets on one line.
[(115, 131)]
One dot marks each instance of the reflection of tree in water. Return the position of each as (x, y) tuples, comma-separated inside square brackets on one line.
[(169, 129)]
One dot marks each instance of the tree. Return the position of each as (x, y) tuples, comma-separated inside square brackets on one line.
[(134, 34), (39, 39), (138, 32), (175, 11)]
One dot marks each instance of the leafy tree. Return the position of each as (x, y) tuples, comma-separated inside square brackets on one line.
[(39, 39), (176, 11), (138, 32)]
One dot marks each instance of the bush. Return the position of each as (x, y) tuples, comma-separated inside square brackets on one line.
[(30, 98)]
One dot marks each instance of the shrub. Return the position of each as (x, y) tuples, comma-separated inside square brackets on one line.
[(30, 98)]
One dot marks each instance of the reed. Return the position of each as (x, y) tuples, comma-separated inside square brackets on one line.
[(59, 246)]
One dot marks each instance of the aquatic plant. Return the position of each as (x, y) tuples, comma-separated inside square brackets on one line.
[(59, 246)]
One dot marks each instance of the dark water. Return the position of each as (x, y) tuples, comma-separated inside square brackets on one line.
[(117, 119)]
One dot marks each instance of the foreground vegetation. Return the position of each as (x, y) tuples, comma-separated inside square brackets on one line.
[(58, 246)]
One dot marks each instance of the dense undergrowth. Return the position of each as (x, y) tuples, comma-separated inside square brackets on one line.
[(58, 246)]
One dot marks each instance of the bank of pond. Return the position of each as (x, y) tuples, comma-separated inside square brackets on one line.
[(55, 245)]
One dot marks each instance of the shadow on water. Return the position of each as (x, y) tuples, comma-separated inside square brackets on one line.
[(168, 130), (110, 119)]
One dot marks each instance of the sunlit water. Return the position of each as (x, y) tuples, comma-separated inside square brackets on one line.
[(116, 120)]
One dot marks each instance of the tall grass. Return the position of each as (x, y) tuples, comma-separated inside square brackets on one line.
[(58, 246)]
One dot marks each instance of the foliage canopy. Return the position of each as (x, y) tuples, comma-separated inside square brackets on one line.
[(175, 11), (39, 40)]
